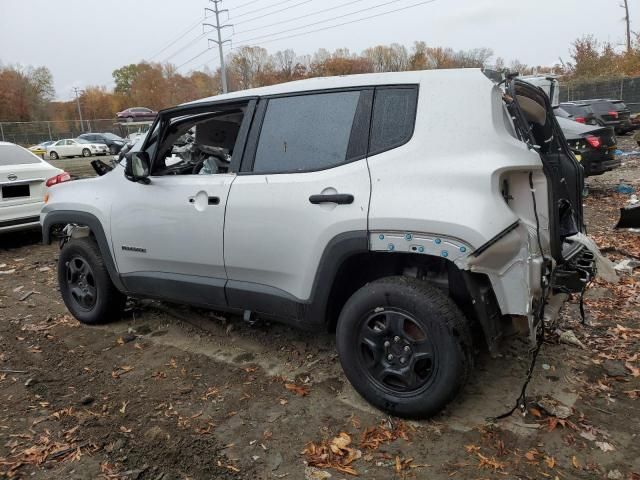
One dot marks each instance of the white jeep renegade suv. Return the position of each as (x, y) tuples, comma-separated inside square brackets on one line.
[(414, 213)]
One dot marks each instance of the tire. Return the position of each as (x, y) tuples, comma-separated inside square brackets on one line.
[(92, 298), (53, 156), (399, 318), (113, 150), (86, 152)]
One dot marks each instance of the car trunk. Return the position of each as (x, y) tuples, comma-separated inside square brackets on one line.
[(20, 184), (538, 127)]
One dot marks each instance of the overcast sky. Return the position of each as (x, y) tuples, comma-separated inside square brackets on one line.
[(83, 41)]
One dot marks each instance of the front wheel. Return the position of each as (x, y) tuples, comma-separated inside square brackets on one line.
[(85, 284), (53, 156), (113, 150), (404, 346), (86, 152)]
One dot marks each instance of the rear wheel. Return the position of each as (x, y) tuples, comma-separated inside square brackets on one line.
[(405, 346), (113, 150), (86, 152), (53, 156), (85, 285)]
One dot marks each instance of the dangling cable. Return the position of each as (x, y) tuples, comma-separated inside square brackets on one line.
[(521, 401)]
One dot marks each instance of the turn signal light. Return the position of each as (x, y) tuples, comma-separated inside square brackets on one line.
[(61, 178)]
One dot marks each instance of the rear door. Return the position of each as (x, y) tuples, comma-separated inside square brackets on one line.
[(304, 181)]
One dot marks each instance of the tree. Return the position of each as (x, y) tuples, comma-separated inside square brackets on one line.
[(124, 77)]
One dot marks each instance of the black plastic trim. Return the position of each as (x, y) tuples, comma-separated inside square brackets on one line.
[(20, 221), (65, 217), (189, 289)]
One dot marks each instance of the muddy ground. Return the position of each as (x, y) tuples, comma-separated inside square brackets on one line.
[(172, 392)]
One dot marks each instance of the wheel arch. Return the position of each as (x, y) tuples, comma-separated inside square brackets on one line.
[(61, 218), (348, 264)]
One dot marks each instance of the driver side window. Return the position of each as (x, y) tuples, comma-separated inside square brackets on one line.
[(202, 143)]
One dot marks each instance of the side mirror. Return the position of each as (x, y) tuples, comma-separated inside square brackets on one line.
[(138, 167)]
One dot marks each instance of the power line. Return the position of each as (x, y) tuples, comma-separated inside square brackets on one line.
[(273, 13), (343, 23), (323, 21), (184, 34), (192, 42), (317, 12), (193, 58), (327, 27), (263, 8), (248, 3)]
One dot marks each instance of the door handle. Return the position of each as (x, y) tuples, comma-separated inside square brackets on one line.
[(339, 198), (210, 200)]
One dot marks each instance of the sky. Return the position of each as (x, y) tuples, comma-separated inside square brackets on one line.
[(83, 41)]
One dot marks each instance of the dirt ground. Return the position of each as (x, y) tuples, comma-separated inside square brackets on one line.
[(172, 392)]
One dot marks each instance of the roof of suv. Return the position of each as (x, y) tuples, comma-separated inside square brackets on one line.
[(361, 80)]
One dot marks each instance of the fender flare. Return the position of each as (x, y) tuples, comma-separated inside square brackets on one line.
[(65, 217)]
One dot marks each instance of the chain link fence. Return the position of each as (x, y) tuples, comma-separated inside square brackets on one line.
[(32, 133), (626, 89)]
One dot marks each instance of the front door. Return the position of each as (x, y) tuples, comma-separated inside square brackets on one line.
[(168, 234), (306, 183)]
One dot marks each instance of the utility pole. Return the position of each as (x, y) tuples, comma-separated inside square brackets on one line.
[(625, 5), (77, 91), (218, 28)]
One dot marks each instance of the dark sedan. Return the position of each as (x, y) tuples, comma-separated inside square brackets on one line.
[(136, 113), (593, 146)]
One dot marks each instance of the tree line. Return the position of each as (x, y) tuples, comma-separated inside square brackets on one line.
[(26, 94)]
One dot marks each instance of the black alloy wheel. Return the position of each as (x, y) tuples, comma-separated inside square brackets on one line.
[(81, 283)]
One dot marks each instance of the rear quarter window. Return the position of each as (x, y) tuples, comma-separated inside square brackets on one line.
[(15, 155), (394, 116)]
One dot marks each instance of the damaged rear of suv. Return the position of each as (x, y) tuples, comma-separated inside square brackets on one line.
[(358, 204)]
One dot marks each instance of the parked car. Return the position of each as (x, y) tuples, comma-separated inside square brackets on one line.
[(344, 203), (41, 148), (23, 185), (114, 142), (593, 146), (581, 112), (611, 113), (75, 147), (136, 113)]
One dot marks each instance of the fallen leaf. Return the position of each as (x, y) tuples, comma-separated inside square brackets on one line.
[(574, 462), (124, 407), (300, 390), (125, 429), (605, 447), (531, 455), (550, 461)]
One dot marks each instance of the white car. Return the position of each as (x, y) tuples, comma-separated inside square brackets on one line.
[(75, 147), (23, 185)]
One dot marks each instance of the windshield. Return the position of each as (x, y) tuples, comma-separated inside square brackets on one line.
[(619, 106), (15, 155)]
